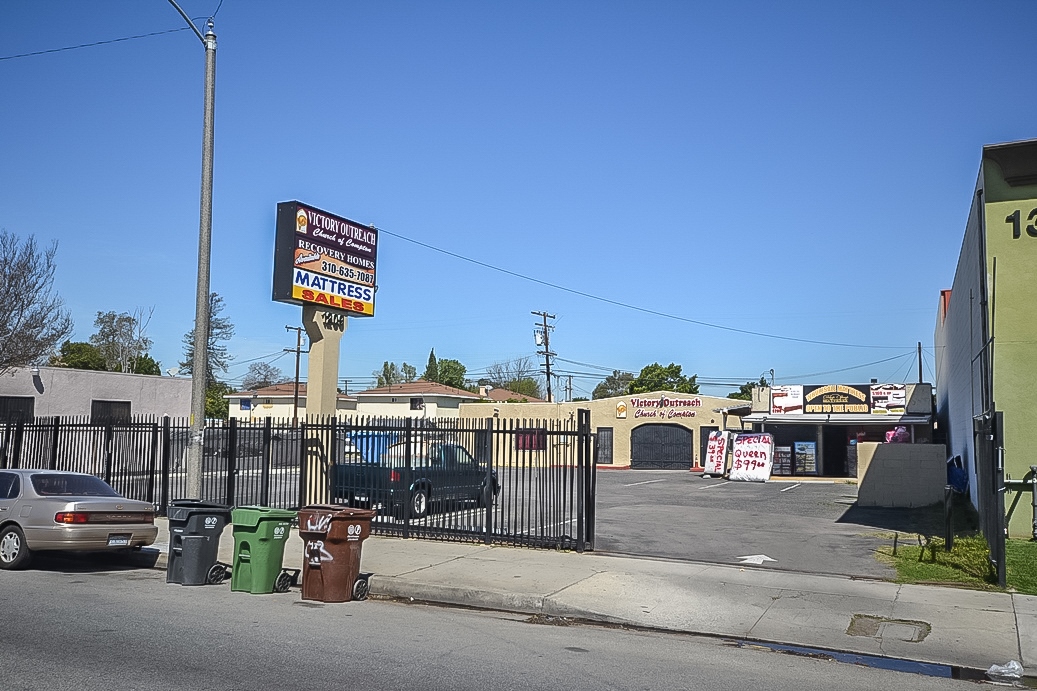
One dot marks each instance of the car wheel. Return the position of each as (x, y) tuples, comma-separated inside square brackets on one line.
[(419, 503), (14, 554)]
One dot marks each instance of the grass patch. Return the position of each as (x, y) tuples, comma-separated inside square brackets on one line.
[(966, 564)]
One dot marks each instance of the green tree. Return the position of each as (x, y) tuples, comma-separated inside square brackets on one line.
[(432, 368), (615, 384), (452, 373), (261, 374), (216, 406), (145, 364), (78, 355), (408, 373), (655, 377), (220, 329), (527, 387), (32, 316), (121, 339), (388, 375), (745, 391)]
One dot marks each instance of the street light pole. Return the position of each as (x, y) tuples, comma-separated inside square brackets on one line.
[(199, 366)]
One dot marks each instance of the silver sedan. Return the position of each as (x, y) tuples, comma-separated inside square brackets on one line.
[(56, 510)]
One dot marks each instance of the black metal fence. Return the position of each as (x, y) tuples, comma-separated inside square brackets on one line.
[(518, 482)]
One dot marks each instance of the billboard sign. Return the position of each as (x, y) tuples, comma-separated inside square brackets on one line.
[(786, 400), (323, 259), (888, 399), (837, 399)]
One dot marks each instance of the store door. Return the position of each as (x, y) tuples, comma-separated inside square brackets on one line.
[(662, 447)]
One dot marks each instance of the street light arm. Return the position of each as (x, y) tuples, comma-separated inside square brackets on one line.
[(189, 22)]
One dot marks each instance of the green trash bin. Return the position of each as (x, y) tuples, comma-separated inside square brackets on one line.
[(260, 534)]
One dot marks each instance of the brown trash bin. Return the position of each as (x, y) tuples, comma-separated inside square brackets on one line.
[(332, 537)]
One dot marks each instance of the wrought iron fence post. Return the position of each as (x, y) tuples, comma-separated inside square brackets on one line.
[(303, 462), (167, 444), (16, 456), (581, 477), (153, 465), (109, 443), (586, 440), (268, 438), (489, 496), (232, 459), (408, 478), (54, 443)]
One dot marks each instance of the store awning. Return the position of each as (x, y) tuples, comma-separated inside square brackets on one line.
[(838, 419)]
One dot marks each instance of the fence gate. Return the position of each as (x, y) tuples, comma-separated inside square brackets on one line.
[(662, 446)]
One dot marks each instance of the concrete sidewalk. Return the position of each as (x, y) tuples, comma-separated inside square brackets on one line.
[(939, 625)]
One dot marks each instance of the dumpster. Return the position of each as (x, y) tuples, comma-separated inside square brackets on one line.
[(332, 538), (260, 534), (194, 542)]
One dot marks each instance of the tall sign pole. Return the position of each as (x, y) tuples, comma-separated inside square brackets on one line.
[(199, 366)]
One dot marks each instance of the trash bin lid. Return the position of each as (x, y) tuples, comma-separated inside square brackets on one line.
[(189, 507), (252, 515)]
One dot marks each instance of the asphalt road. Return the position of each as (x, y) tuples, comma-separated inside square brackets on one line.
[(813, 527), (82, 625)]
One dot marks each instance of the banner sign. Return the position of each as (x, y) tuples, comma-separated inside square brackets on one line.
[(323, 259), (888, 399), (837, 399), (752, 457), (786, 400), (716, 453)]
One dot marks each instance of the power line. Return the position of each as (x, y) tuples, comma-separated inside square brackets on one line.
[(628, 306), (95, 43), (846, 369)]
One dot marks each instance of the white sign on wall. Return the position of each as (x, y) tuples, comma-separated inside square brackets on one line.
[(751, 457), (786, 399), (716, 453)]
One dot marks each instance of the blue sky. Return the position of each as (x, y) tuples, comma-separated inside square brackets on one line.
[(798, 169)]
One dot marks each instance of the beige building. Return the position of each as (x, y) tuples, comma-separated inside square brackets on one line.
[(418, 399), (278, 401), (662, 429)]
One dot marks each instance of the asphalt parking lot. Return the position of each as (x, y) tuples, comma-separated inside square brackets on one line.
[(811, 526)]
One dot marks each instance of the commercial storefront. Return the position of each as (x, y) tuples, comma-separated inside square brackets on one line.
[(659, 430), (817, 428)]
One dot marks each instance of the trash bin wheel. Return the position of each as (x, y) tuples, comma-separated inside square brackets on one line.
[(361, 588), (217, 572), (283, 582)]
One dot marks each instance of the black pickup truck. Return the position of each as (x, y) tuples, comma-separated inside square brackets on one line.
[(406, 482)]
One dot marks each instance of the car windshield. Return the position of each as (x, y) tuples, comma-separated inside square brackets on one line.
[(62, 485)]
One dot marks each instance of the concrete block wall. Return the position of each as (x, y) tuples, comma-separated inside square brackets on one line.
[(900, 475)]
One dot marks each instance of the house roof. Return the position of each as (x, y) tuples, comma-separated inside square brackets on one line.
[(505, 395), (419, 388), (278, 391)]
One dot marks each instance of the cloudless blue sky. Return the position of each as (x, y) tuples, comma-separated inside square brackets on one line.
[(800, 169)]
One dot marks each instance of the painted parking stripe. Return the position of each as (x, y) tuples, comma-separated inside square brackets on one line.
[(645, 482), (798, 484), (726, 482)]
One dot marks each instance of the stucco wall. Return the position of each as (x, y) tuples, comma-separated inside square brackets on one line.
[(900, 475), (60, 391), (604, 414)]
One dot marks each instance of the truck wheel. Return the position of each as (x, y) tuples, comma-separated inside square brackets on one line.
[(14, 553), (419, 503)]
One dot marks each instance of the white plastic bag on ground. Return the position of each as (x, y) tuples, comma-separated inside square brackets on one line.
[(1010, 671)]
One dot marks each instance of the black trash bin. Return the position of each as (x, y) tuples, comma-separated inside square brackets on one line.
[(194, 542)]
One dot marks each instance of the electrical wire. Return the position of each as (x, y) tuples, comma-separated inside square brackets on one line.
[(95, 43), (846, 369), (628, 306)]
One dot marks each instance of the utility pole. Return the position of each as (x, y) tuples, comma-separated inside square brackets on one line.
[(919, 362), (298, 354), (569, 390), (542, 335), (199, 365)]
